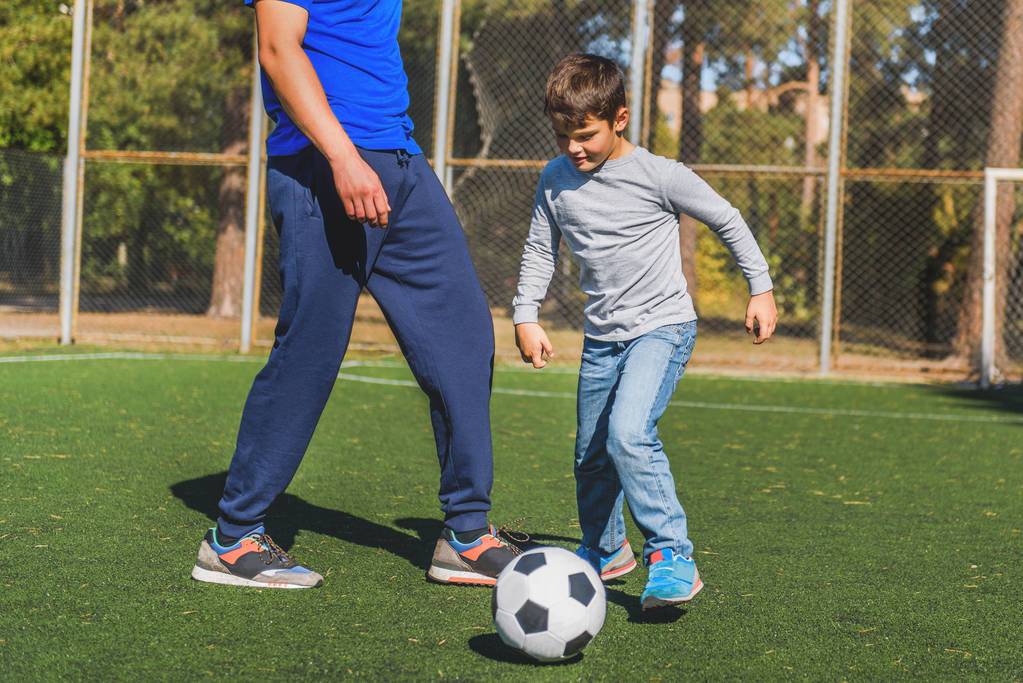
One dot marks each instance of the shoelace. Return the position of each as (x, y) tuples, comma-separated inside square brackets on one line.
[(272, 550), (510, 537)]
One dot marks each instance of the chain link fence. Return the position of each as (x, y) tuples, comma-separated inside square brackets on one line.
[(30, 186), (740, 91)]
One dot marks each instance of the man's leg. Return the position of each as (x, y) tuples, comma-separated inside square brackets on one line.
[(427, 287), (313, 329), (322, 265)]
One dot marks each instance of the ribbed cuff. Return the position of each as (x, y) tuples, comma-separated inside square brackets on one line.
[(525, 314)]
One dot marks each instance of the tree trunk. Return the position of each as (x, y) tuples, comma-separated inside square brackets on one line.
[(229, 261), (943, 89), (813, 84), (691, 138), (1003, 150), (750, 78), (661, 33)]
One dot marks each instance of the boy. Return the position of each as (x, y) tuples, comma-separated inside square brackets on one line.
[(617, 205)]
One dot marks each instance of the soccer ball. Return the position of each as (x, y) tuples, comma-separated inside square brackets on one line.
[(548, 603)]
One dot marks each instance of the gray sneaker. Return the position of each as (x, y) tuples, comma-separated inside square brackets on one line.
[(253, 561), (619, 563), (477, 563)]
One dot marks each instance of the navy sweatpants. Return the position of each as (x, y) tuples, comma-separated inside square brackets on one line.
[(420, 273)]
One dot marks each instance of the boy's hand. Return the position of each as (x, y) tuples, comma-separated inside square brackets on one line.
[(761, 316), (533, 344)]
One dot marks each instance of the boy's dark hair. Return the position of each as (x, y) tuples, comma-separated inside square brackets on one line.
[(584, 85)]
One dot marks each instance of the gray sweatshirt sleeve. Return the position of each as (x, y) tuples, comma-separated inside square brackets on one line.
[(539, 258), (685, 192)]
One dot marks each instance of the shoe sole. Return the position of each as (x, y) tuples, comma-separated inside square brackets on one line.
[(620, 571), (209, 576), (462, 578), (654, 602)]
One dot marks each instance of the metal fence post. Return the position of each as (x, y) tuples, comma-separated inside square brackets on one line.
[(835, 137), (637, 68), (252, 200), (987, 337), (72, 177), (442, 101)]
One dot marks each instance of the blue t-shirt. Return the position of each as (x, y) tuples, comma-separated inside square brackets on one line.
[(353, 46)]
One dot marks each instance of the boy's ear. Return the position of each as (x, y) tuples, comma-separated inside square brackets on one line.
[(621, 119)]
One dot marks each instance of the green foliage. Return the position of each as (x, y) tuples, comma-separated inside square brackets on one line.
[(30, 197), (770, 207), (162, 73), (35, 58)]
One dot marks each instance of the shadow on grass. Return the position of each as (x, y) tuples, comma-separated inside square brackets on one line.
[(1006, 399), (491, 646), (289, 514), (428, 531), (631, 604)]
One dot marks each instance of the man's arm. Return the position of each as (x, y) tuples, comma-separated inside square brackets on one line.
[(281, 27)]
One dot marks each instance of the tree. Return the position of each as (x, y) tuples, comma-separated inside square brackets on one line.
[(35, 46), (229, 259), (35, 61), (697, 23), (1005, 136), (174, 75)]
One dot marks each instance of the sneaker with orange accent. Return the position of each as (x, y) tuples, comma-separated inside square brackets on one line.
[(672, 580), (477, 563), (255, 560), (618, 563)]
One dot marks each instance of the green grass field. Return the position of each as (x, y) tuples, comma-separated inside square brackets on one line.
[(844, 531)]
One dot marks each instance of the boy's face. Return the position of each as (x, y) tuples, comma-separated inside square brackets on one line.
[(594, 142)]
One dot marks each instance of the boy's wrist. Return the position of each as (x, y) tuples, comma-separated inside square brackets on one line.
[(525, 314), (760, 284)]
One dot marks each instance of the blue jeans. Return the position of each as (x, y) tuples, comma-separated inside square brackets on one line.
[(624, 388)]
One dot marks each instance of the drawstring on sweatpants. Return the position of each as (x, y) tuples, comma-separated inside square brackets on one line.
[(403, 157)]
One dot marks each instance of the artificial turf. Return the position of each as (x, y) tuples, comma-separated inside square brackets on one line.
[(843, 531)]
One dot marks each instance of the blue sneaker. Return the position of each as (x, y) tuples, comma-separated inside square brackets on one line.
[(673, 579), (619, 563)]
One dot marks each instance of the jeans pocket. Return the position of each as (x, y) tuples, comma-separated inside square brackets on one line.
[(684, 348)]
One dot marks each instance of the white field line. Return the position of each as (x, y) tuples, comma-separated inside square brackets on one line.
[(751, 408), (792, 410)]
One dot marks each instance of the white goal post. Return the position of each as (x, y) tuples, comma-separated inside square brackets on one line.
[(992, 176)]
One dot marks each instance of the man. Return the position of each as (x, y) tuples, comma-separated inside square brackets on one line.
[(357, 205)]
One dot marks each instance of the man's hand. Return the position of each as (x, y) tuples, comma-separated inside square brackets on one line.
[(281, 27), (360, 190), (533, 344), (761, 316)]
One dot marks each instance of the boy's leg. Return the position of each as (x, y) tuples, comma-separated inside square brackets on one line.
[(598, 489), (651, 368)]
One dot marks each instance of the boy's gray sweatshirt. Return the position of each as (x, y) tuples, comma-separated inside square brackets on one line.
[(620, 222)]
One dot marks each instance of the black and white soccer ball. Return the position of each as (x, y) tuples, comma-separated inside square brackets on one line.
[(549, 603)]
